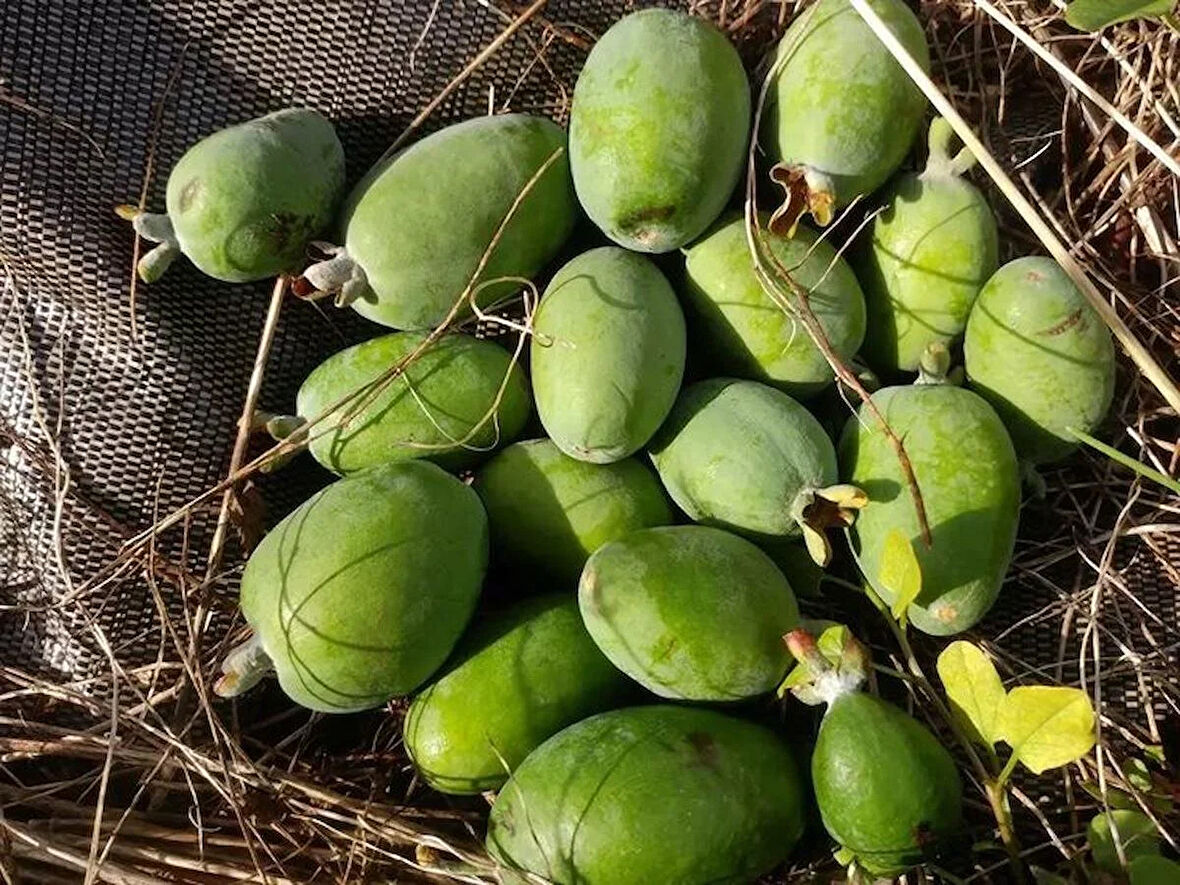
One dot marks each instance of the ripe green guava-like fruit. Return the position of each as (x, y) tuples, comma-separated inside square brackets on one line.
[(970, 483), (842, 113), (1037, 351), (651, 794), (746, 457), (658, 129), (887, 790), (360, 594), (690, 612), (417, 226), (453, 404), (883, 783), (744, 333), (548, 512), (927, 256), (607, 352), (516, 679), (243, 203)]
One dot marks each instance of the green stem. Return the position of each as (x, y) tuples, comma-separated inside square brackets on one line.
[(1010, 767), (998, 800), (1127, 461)]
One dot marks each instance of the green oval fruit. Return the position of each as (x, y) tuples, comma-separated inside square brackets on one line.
[(658, 129), (842, 113), (421, 221), (244, 202), (929, 254), (743, 456), (883, 783), (456, 402), (651, 794), (690, 612), (745, 333), (549, 512), (361, 593), (1138, 836), (517, 679), (970, 483), (607, 354), (1042, 357)]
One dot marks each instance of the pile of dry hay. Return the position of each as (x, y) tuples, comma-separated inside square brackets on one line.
[(136, 776)]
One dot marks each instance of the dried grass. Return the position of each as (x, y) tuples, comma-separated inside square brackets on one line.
[(138, 776)]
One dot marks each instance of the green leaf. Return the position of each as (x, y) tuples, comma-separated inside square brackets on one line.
[(1094, 15), (1047, 726), (1138, 775), (1154, 870), (900, 573), (974, 689), (1138, 836)]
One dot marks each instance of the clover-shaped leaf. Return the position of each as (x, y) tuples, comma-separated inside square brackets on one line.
[(1047, 726)]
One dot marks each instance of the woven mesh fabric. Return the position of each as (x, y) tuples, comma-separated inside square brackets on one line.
[(146, 425)]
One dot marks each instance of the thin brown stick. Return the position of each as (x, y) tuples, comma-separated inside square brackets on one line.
[(245, 422), (470, 68), (149, 169)]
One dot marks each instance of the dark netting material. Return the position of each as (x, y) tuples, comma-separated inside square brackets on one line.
[(147, 425)]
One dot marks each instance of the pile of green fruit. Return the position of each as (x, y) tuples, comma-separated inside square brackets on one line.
[(602, 709)]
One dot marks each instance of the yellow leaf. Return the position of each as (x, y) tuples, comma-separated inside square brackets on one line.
[(900, 576), (974, 689), (1047, 726)]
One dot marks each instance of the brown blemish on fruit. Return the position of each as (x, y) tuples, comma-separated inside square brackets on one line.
[(704, 749), (664, 648), (1069, 322), (1035, 276), (189, 193), (642, 216)]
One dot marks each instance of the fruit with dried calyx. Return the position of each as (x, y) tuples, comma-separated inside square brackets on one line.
[(548, 512), (746, 457), (453, 403), (887, 790), (359, 595), (651, 794), (927, 256), (243, 203), (418, 225), (517, 678), (1040, 354), (744, 332), (968, 476), (690, 612), (842, 113), (607, 352), (658, 129)]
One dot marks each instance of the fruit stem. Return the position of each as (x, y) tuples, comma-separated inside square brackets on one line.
[(940, 161), (817, 510), (934, 364), (155, 228), (805, 189), (337, 275), (243, 668)]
